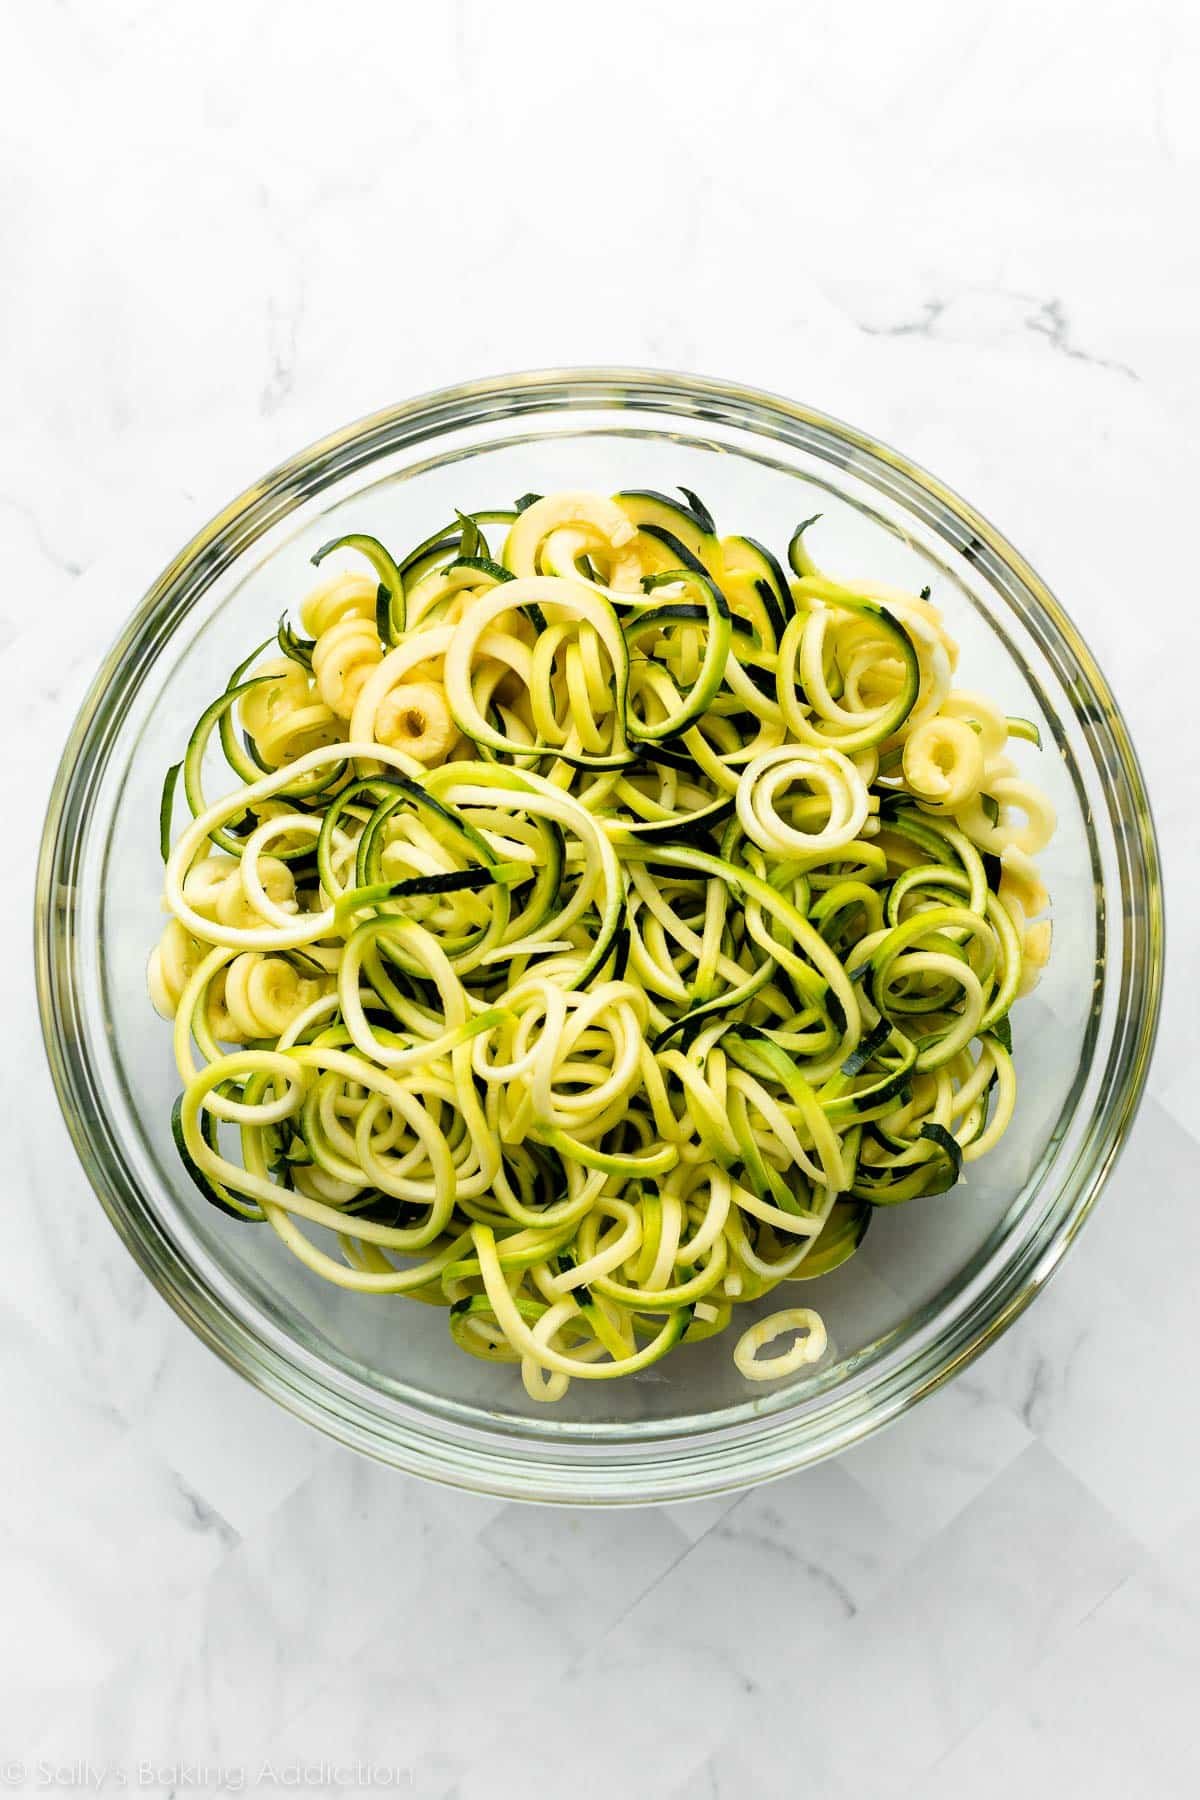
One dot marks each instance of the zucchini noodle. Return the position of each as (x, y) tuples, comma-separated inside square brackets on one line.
[(598, 928)]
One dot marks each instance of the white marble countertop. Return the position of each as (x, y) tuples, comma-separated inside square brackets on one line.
[(971, 228)]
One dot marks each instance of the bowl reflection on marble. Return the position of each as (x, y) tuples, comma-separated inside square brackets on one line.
[(935, 1281)]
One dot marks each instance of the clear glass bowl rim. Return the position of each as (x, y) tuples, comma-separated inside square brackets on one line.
[(643, 1466)]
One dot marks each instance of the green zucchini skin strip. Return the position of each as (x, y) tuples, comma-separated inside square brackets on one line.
[(841, 1236), (213, 1192), (297, 649), (498, 572), (212, 716), (166, 808), (714, 609), (799, 560), (946, 1143), (700, 512), (484, 564), (778, 595), (656, 513), (389, 616), (861, 1056)]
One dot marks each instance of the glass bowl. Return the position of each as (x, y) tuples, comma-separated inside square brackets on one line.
[(936, 1280)]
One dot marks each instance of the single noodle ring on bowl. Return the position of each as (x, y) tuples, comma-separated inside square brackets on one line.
[(809, 1346), (831, 788)]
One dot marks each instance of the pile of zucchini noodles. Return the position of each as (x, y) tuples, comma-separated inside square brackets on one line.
[(600, 929)]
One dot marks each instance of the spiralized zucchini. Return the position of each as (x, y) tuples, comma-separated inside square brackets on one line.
[(596, 933)]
